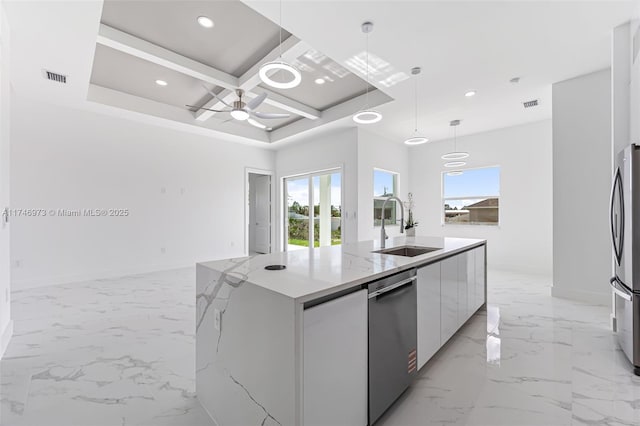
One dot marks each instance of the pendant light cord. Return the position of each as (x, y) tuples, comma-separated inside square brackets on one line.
[(367, 65), (280, 18), (455, 139), (415, 130)]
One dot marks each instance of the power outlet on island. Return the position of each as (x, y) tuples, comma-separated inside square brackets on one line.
[(217, 318)]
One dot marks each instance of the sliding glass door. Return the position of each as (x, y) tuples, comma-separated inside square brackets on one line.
[(314, 210)]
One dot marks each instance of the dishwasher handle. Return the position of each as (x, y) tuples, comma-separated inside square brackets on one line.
[(392, 287)]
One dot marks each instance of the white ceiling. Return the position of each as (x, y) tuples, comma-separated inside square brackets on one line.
[(461, 46)]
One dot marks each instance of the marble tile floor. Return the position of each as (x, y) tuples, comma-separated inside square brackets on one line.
[(121, 352)]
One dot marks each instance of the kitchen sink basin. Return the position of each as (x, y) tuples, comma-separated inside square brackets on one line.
[(407, 251)]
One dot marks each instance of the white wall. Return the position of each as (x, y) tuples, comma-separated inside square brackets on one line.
[(374, 151), (185, 194), (522, 241), (330, 150), (581, 187), (6, 325)]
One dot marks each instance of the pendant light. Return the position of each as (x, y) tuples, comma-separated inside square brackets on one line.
[(367, 116), (455, 154), (416, 139), (280, 66)]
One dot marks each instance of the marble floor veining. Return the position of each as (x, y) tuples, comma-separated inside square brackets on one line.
[(121, 352)]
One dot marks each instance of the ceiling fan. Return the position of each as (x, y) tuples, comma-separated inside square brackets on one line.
[(242, 111)]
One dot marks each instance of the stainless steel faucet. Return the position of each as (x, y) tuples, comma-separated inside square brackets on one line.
[(383, 234)]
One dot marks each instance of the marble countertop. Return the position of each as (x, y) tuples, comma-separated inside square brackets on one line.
[(314, 273)]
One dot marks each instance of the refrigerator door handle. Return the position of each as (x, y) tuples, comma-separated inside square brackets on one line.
[(617, 222), (620, 292)]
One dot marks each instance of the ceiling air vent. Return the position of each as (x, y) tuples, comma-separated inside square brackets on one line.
[(529, 104), (54, 76)]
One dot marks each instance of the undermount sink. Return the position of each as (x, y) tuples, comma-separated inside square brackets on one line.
[(407, 251)]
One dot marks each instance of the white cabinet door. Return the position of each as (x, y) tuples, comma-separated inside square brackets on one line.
[(463, 305), (449, 300), (428, 312), (480, 276), (471, 283), (335, 362)]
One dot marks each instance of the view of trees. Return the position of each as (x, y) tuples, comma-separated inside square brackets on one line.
[(299, 226)]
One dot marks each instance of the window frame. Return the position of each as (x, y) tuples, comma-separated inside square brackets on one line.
[(396, 191), (471, 197)]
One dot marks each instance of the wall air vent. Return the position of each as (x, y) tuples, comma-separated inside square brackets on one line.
[(529, 104), (54, 76)]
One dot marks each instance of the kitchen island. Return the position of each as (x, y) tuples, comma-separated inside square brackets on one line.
[(289, 346)]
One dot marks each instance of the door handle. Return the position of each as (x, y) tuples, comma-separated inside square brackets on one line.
[(622, 293)]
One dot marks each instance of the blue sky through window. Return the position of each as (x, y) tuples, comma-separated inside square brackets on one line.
[(298, 190), (382, 181), (473, 183)]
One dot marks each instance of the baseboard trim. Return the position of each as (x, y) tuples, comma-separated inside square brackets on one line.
[(600, 299), (6, 337)]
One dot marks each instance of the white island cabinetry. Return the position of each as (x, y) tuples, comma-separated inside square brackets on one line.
[(428, 312), (335, 362), (289, 347), (449, 293)]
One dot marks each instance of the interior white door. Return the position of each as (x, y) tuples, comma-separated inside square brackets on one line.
[(263, 214)]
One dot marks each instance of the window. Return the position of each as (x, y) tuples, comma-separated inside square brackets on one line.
[(473, 197), (385, 184), (322, 191)]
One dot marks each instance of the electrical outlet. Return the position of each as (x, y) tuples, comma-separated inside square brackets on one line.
[(182, 191), (217, 319), (17, 263), (163, 250), (163, 190)]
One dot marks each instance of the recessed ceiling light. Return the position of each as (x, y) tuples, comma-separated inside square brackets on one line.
[(455, 173), (161, 83), (205, 22), (470, 93), (319, 80)]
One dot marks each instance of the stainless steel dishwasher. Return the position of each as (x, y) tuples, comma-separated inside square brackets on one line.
[(392, 340)]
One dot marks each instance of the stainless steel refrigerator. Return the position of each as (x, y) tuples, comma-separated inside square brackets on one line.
[(625, 234)]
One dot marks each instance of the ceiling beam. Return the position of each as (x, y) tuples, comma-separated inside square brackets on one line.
[(135, 46), (291, 49), (342, 111)]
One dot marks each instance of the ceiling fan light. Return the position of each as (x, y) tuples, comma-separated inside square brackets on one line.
[(239, 114), (416, 140), (455, 155), (367, 117), (455, 164), (271, 67)]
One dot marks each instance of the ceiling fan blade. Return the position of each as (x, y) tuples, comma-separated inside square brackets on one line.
[(268, 115), (208, 109), (216, 96), (256, 123), (255, 102)]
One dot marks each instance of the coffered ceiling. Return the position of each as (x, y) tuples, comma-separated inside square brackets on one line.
[(140, 42)]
